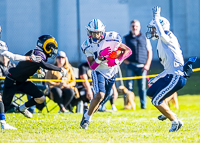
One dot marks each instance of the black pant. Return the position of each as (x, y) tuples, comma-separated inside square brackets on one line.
[(11, 87), (63, 97), (83, 98)]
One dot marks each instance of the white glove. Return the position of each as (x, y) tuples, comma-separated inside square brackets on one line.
[(156, 12), (35, 58), (63, 72)]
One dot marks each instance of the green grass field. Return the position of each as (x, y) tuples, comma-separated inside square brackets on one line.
[(119, 126)]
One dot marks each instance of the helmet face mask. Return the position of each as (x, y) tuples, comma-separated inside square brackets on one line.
[(151, 31), (48, 45), (95, 30), (53, 50)]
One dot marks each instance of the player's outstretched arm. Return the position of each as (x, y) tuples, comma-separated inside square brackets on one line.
[(161, 33), (48, 66), (16, 57)]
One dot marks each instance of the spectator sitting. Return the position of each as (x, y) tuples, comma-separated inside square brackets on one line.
[(62, 92), (85, 88)]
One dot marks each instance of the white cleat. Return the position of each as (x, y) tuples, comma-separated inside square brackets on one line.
[(6, 126), (176, 126), (114, 108), (26, 113)]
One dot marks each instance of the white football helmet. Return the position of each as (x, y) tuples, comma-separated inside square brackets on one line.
[(94, 26), (151, 31)]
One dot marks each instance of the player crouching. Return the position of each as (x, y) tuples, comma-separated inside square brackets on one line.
[(172, 78), (104, 52)]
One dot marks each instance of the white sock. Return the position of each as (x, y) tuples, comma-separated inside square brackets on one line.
[(87, 117), (23, 107), (175, 121), (2, 121), (85, 104)]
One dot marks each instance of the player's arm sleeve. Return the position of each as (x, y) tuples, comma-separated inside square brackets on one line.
[(48, 66), (161, 33), (13, 57), (126, 52)]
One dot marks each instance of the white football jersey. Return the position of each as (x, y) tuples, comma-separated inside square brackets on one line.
[(111, 39), (169, 51)]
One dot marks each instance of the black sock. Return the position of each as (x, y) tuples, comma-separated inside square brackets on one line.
[(1, 107), (111, 100), (30, 103)]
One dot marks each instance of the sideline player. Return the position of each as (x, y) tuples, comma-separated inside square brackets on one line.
[(14, 57), (98, 48), (16, 80), (170, 55)]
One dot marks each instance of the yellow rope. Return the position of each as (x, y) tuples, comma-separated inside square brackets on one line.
[(82, 80)]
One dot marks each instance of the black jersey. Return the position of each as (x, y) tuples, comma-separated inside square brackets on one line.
[(84, 69), (25, 69)]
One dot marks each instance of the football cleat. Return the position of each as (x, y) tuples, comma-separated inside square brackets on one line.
[(6, 126), (26, 113), (162, 117), (176, 126), (114, 108), (84, 123)]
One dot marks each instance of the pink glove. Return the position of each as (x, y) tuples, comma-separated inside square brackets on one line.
[(105, 52), (111, 62)]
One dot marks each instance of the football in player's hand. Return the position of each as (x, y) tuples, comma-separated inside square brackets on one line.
[(115, 54)]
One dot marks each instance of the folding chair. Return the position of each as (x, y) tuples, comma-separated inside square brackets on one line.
[(18, 97)]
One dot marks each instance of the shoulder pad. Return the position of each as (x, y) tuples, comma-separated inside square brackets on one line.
[(85, 45), (113, 36)]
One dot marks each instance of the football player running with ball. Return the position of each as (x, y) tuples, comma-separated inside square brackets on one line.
[(104, 51), (14, 57), (172, 78)]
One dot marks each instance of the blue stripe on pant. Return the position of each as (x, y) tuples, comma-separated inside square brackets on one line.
[(102, 84), (165, 87)]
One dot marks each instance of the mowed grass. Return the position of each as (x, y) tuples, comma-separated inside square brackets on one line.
[(120, 126)]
